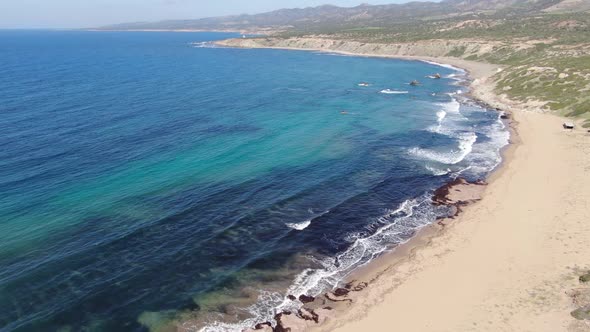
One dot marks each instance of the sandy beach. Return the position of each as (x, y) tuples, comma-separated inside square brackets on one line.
[(509, 262)]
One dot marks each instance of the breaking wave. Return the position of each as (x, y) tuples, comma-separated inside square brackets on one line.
[(299, 226), (393, 228), (204, 45), (393, 92), (455, 156), (469, 156)]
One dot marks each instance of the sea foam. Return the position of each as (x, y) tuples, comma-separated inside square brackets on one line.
[(393, 92), (299, 226), (395, 226)]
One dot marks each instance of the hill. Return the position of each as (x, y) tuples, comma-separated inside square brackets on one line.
[(329, 16), (544, 45)]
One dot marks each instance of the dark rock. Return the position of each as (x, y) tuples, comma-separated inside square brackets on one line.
[(292, 297), (334, 298), (441, 194), (341, 292), (308, 314), (260, 326), (585, 278), (582, 313), (306, 299), (361, 286)]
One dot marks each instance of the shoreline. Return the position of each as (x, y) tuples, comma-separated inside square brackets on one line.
[(370, 307), (439, 265)]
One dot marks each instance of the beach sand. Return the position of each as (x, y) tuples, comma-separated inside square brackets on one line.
[(509, 262)]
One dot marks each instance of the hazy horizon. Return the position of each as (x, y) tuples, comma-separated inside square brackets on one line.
[(43, 14)]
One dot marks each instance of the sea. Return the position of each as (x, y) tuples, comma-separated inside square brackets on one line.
[(151, 180)]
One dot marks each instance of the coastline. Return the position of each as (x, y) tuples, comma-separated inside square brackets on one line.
[(456, 275), (507, 263)]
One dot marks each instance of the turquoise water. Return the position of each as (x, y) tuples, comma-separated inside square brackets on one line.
[(150, 177)]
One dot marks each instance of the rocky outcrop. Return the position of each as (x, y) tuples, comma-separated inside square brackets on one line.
[(458, 193), (315, 310)]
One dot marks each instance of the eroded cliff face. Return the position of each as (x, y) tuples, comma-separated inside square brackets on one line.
[(429, 48)]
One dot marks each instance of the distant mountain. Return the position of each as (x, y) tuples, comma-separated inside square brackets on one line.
[(334, 17)]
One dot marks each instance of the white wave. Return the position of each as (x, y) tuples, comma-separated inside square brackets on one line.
[(394, 225), (450, 111), (451, 107), (393, 92), (487, 155), (455, 156), (397, 225), (299, 226), (437, 171), (204, 45), (440, 118), (411, 215), (441, 115)]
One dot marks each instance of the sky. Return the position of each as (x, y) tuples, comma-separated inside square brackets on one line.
[(22, 14)]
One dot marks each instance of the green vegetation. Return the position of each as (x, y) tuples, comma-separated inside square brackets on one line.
[(582, 313), (546, 56), (545, 49)]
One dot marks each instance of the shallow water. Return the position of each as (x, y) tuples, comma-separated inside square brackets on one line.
[(146, 178)]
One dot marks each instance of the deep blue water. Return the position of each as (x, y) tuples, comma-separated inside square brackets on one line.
[(146, 180)]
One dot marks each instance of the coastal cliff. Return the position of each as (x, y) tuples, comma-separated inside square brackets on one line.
[(428, 48)]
